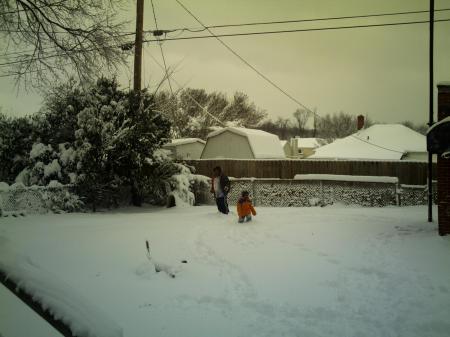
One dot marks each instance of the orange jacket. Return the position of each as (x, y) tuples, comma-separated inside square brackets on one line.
[(245, 207)]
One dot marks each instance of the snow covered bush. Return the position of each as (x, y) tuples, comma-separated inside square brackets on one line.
[(105, 142), (16, 138), (61, 199), (167, 180)]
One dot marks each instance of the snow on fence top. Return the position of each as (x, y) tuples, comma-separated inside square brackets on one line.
[(337, 177), (60, 299), (264, 145)]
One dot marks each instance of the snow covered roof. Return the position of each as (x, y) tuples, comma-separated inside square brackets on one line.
[(380, 141), (183, 141), (264, 145), (310, 142)]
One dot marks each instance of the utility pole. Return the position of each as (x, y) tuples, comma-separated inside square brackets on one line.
[(138, 45), (431, 115)]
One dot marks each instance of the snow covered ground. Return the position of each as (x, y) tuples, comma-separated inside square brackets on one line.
[(333, 271)]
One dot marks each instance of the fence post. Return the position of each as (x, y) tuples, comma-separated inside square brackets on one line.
[(398, 194), (255, 199), (322, 198)]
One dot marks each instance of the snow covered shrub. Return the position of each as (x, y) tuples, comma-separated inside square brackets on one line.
[(16, 138), (98, 138), (167, 179), (62, 199)]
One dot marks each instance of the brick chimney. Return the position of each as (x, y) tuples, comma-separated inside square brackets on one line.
[(443, 166), (360, 122)]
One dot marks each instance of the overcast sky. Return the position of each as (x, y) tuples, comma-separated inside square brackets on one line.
[(381, 72)]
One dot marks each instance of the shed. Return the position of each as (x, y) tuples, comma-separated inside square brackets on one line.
[(242, 143), (185, 148)]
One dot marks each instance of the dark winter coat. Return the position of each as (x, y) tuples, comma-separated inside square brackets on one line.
[(224, 184)]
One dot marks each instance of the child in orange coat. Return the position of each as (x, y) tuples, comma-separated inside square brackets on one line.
[(245, 208)]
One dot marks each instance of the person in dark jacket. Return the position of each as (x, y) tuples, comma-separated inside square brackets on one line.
[(220, 186)]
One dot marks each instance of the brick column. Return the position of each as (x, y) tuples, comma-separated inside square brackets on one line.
[(443, 166)]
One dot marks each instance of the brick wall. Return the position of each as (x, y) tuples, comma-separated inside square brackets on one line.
[(443, 166)]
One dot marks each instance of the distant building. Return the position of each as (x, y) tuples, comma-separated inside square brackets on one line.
[(301, 147), (378, 142), (242, 143), (185, 148)]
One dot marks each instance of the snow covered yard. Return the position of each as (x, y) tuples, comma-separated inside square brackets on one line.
[(333, 271)]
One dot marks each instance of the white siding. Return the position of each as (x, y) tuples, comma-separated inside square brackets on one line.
[(227, 145), (188, 151)]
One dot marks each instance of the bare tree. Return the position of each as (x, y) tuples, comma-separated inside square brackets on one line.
[(421, 128), (194, 112), (283, 125), (301, 117), (336, 126), (44, 38)]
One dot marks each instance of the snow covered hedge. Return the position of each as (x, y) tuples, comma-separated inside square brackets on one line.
[(19, 199), (103, 141)]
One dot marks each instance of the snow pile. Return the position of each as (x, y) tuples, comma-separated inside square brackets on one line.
[(338, 177), (378, 142), (63, 302)]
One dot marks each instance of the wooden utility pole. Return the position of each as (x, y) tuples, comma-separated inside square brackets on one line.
[(431, 108), (138, 45)]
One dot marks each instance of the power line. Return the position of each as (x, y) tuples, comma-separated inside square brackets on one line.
[(245, 34), (296, 30), (265, 77), (245, 61), (161, 48), (259, 23), (24, 52), (188, 94), (379, 146), (265, 32)]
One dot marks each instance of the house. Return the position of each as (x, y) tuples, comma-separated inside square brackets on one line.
[(185, 148), (242, 143), (378, 142), (301, 147)]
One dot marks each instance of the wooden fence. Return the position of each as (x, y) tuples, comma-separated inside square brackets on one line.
[(408, 172)]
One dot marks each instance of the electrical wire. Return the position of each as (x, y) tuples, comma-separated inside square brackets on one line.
[(188, 94), (379, 146), (297, 30), (255, 33), (266, 78), (311, 20), (161, 48)]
